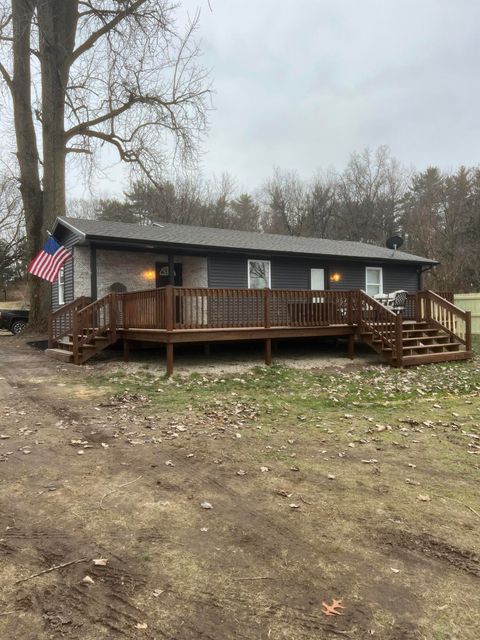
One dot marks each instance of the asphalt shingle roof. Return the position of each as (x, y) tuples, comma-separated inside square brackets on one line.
[(178, 234)]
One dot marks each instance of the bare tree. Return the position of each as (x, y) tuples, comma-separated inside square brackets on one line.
[(286, 204), (322, 205), (370, 191), (107, 72), (12, 245)]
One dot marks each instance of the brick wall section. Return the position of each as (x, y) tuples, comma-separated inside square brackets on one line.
[(81, 274), (133, 269)]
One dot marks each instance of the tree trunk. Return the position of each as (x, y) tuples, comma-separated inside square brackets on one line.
[(57, 25), (27, 150)]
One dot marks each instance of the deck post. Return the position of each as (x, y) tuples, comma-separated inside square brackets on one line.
[(75, 350), (351, 346), (349, 315), (428, 306), (268, 351), (169, 349), (169, 308), (113, 317), (266, 308), (418, 306), (125, 322), (126, 350), (468, 330), (399, 339)]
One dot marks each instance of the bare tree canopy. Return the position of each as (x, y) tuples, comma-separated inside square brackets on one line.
[(81, 74)]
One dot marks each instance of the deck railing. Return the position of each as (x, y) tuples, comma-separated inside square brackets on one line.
[(173, 308), (60, 321), (195, 309), (445, 315), (97, 320), (385, 325), (142, 309)]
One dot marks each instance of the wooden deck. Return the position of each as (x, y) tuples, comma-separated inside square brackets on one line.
[(432, 329)]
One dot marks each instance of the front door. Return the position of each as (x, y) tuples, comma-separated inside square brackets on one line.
[(317, 279), (163, 277)]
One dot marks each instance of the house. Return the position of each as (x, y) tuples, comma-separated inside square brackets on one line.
[(173, 283), (118, 256)]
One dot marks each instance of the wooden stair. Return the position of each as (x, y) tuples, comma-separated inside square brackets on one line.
[(81, 329), (90, 346), (421, 343)]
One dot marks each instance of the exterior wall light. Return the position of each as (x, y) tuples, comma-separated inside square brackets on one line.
[(335, 277), (149, 275)]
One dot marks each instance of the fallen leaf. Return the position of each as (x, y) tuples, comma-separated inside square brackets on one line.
[(331, 609), (157, 592), (264, 469), (424, 498), (88, 580), (141, 625), (331, 476), (206, 505)]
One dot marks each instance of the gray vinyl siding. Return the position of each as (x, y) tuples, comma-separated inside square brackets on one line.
[(352, 275), (400, 277), (394, 276), (226, 271), (68, 239)]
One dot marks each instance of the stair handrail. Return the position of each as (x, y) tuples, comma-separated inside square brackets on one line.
[(447, 316), (97, 319), (60, 320), (381, 322)]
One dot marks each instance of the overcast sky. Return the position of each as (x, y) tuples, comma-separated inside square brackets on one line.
[(300, 84)]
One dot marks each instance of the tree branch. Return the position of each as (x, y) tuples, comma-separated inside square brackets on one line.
[(111, 24), (6, 76)]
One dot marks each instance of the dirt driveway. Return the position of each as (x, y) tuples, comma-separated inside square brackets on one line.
[(305, 507)]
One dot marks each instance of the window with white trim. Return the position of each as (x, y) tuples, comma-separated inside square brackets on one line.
[(373, 281), (259, 274), (61, 286)]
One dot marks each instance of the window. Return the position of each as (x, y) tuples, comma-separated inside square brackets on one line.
[(373, 281), (61, 286), (258, 274)]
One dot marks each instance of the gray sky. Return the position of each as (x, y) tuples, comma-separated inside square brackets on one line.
[(301, 84)]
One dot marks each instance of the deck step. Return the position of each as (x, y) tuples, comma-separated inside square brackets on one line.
[(60, 354), (426, 331), (424, 347), (427, 358), (425, 338)]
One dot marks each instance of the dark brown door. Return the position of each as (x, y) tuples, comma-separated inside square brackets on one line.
[(163, 276)]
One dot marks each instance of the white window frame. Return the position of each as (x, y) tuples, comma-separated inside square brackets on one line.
[(269, 272), (380, 280), (61, 286)]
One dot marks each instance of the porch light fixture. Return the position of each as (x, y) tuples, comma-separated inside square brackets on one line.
[(335, 277), (149, 275)]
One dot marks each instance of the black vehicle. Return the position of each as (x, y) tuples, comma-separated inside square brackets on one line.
[(14, 320)]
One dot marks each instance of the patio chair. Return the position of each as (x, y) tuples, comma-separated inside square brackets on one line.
[(397, 301)]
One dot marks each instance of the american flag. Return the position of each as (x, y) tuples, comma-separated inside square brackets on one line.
[(49, 261)]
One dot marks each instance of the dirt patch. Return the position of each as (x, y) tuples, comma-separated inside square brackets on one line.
[(301, 514), (431, 547)]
